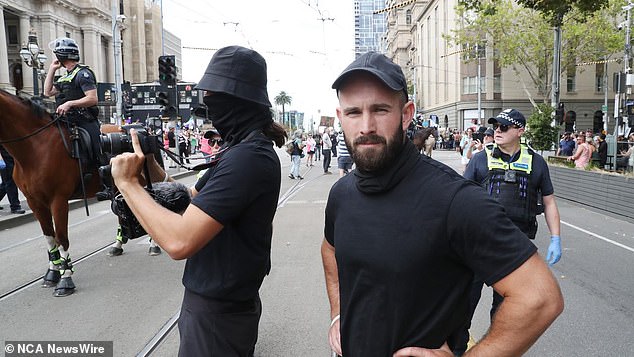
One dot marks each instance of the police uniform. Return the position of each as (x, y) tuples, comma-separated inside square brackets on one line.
[(72, 86)]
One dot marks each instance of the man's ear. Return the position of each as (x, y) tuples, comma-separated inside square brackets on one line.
[(408, 114)]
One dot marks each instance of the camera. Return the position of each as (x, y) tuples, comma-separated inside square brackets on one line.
[(478, 136), (171, 195), (117, 143)]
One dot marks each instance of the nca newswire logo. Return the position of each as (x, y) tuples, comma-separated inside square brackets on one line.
[(58, 348)]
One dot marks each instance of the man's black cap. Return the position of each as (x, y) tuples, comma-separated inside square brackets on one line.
[(237, 71), (510, 117), (489, 132), (379, 65)]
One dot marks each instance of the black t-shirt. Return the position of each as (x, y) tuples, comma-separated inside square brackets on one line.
[(171, 139), (406, 257), (477, 170), (241, 194)]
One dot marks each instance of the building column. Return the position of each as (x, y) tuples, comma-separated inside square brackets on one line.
[(90, 53), (110, 61), (27, 72), (5, 83)]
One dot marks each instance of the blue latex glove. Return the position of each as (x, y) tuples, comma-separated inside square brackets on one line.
[(554, 250)]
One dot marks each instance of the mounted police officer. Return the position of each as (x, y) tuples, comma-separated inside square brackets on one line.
[(516, 177), (76, 91)]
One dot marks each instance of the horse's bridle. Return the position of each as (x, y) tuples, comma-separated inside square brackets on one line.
[(37, 131)]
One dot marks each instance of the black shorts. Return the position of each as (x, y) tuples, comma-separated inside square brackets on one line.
[(210, 327)]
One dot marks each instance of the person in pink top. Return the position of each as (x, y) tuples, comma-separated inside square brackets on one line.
[(310, 149), (583, 154)]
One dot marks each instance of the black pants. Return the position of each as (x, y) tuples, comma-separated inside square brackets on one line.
[(218, 328), (8, 187), (326, 153)]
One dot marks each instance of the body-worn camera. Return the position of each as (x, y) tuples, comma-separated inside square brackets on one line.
[(117, 143)]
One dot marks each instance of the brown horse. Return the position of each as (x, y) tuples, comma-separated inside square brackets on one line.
[(48, 176), (424, 140)]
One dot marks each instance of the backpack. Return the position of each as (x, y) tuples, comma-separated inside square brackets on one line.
[(290, 147)]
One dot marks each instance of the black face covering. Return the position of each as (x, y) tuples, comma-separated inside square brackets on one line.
[(235, 118)]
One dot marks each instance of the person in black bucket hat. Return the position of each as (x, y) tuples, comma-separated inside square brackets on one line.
[(398, 271), (225, 233)]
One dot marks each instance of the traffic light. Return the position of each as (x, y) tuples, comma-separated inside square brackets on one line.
[(127, 110), (167, 70), (560, 113), (167, 109)]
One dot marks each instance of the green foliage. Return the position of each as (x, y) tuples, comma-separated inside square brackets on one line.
[(539, 133), (523, 37)]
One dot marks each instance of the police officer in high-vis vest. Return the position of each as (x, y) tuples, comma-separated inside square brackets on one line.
[(75, 91), (518, 179)]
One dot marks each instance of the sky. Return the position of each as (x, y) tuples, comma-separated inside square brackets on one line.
[(306, 43)]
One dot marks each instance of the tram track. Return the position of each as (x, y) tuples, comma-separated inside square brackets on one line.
[(155, 342)]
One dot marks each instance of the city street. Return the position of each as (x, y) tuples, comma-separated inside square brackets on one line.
[(133, 299)]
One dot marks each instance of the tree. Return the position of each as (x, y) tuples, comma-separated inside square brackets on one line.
[(523, 38), (539, 133), (283, 99)]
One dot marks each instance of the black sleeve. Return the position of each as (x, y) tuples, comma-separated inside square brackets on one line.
[(484, 237), (474, 167), (545, 184), (86, 80), (203, 180)]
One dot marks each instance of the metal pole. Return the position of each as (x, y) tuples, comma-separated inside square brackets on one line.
[(477, 48), (626, 62), (554, 95), (605, 94), (116, 37), (36, 89)]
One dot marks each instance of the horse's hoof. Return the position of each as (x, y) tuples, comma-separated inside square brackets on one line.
[(155, 250), (115, 252), (65, 287), (51, 278)]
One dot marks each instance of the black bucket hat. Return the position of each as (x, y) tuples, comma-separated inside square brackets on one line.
[(237, 71), (380, 66)]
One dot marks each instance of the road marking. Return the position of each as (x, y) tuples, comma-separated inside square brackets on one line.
[(598, 236)]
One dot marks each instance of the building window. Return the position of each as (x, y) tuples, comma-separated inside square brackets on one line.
[(408, 17), (469, 85), (497, 83), (571, 79), (598, 86), (12, 35)]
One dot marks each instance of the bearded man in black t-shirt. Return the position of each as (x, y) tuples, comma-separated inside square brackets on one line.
[(398, 270)]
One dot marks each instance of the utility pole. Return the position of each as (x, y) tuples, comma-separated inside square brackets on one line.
[(626, 63), (605, 95), (554, 95), (477, 50), (117, 22)]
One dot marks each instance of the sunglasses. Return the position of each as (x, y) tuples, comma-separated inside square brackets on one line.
[(503, 128), (213, 142)]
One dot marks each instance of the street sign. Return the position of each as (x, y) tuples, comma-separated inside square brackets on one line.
[(604, 108)]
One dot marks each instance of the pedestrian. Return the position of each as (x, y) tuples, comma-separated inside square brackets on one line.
[(171, 140), (518, 178), (344, 161), (583, 154), (7, 186), (334, 142), (566, 145), (317, 138), (296, 155), (326, 150), (397, 284), (227, 259), (310, 150), (184, 145)]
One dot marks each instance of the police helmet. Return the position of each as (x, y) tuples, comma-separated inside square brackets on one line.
[(65, 48)]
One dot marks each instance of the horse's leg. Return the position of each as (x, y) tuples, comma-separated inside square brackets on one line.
[(43, 215), (154, 248), (65, 286), (116, 248)]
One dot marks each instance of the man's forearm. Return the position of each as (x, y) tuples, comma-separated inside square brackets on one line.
[(532, 301), (332, 277), (551, 214)]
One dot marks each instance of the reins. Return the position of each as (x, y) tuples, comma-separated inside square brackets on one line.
[(37, 131)]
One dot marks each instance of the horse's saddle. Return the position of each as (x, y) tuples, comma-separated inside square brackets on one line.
[(85, 153)]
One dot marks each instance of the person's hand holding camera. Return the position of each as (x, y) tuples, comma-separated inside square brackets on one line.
[(126, 167)]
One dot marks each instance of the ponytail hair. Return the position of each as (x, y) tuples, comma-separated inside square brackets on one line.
[(275, 132)]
